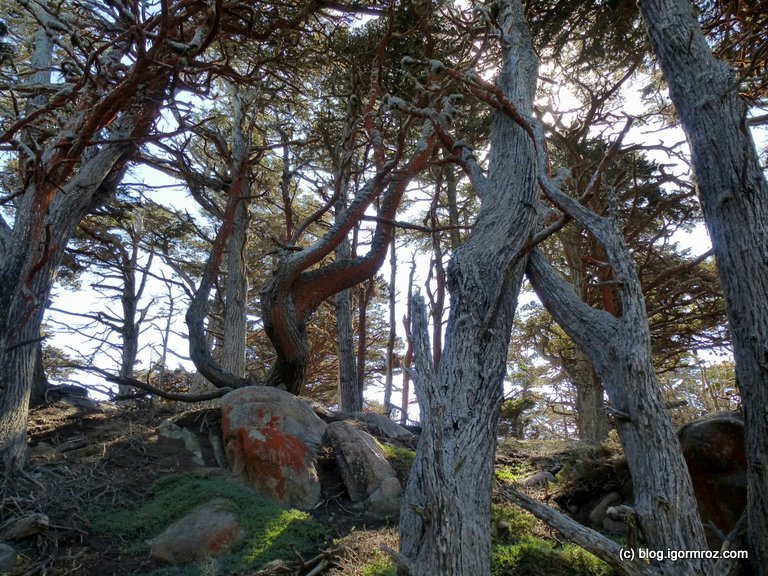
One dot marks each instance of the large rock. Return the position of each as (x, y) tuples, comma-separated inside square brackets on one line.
[(369, 479), (272, 438), (714, 451), (209, 530), (384, 426)]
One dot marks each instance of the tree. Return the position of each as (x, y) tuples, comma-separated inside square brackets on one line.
[(734, 196), (444, 524), (119, 64)]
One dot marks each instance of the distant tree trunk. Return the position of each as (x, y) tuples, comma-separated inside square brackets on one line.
[(591, 414), (734, 198), (350, 396), (365, 293), (235, 327), (445, 518), (392, 337)]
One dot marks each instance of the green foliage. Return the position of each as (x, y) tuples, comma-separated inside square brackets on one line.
[(509, 473), (272, 531), (537, 557), (380, 567), (510, 523)]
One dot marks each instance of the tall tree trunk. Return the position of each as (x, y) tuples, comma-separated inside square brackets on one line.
[(734, 197), (26, 277), (445, 519), (235, 328), (350, 398), (389, 376)]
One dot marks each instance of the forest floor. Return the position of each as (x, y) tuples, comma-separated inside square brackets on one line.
[(109, 457)]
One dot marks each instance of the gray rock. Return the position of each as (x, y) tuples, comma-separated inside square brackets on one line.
[(7, 558), (367, 476), (538, 479), (597, 515), (209, 530), (383, 426)]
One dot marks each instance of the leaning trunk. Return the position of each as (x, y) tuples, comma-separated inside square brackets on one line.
[(26, 279), (734, 197), (445, 519)]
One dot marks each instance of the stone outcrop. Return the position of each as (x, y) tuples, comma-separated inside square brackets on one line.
[(272, 438), (208, 531), (714, 451), (369, 479)]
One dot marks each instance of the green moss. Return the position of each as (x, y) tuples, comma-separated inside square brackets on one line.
[(537, 557), (400, 458), (510, 523), (272, 531), (509, 473), (379, 567)]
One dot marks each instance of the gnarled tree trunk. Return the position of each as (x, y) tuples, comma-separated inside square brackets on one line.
[(734, 198), (445, 518)]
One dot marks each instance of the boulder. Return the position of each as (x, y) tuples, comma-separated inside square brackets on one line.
[(714, 451), (209, 530), (369, 479), (272, 438), (8, 557), (382, 426), (598, 513), (539, 479), (200, 430)]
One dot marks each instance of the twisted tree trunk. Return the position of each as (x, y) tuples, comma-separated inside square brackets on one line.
[(445, 518)]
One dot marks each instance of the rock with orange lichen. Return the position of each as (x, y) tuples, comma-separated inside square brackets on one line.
[(272, 438), (209, 530)]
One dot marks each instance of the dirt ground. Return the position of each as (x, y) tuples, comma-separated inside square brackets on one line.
[(80, 456)]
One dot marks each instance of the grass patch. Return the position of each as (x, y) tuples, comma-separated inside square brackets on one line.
[(273, 532), (536, 557)]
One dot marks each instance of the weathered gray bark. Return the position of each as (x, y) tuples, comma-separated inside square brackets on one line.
[(236, 296), (445, 518), (620, 349), (734, 198), (350, 396), (389, 376)]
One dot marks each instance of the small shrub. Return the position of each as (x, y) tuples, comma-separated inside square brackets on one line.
[(537, 557), (509, 473)]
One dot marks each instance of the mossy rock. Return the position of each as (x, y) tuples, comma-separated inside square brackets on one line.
[(272, 531)]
